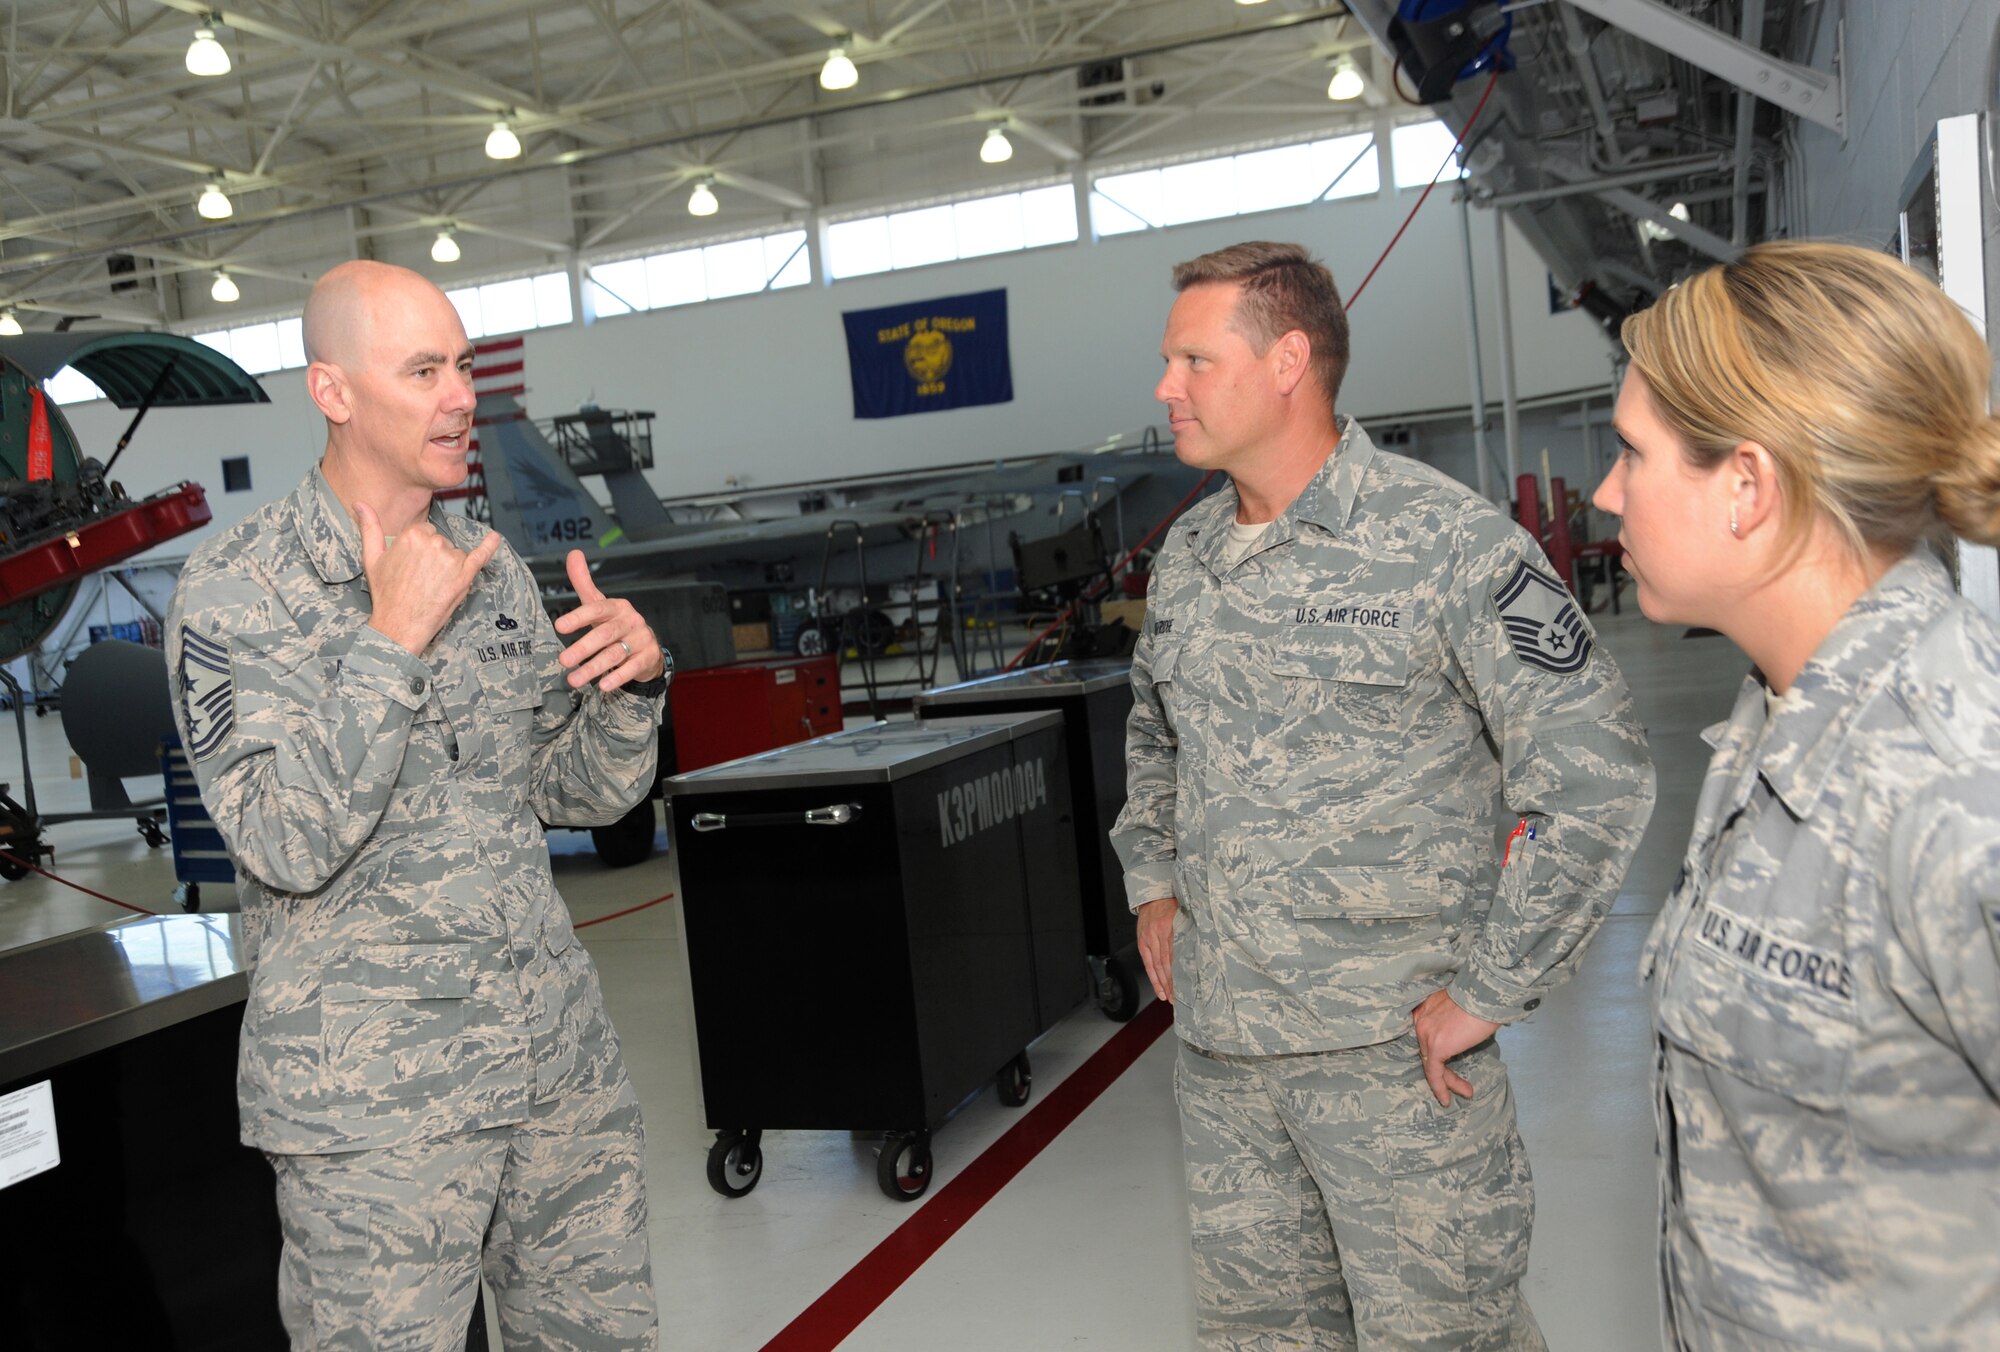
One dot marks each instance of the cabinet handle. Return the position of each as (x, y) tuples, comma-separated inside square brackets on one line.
[(833, 814)]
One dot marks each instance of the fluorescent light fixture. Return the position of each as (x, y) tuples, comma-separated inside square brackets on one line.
[(838, 72), (214, 204), (1249, 2), (502, 143), (10, 326), (444, 249), (205, 55), (1346, 82), (996, 148), (224, 289), (701, 202)]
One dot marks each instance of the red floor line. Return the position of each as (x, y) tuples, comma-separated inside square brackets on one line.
[(828, 1320), (586, 924)]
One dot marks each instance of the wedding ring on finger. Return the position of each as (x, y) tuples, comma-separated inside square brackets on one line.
[(626, 646)]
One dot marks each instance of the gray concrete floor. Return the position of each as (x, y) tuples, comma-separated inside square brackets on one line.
[(1086, 1248)]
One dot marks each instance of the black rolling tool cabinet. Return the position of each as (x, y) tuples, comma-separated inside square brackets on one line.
[(1094, 699), (878, 924)]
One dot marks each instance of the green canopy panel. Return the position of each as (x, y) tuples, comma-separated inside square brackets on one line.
[(126, 365)]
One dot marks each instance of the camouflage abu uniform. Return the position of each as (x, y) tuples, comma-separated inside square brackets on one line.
[(424, 1034), (1826, 990), (1311, 775)]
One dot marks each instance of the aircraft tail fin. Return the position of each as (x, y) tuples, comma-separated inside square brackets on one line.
[(536, 502)]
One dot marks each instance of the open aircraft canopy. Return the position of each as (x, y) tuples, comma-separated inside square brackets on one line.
[(126, 366)]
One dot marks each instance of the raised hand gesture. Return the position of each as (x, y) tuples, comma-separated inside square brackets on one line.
[(419, 581), (616, 644)]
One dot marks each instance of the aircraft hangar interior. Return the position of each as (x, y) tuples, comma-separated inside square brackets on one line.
[(830, 335)]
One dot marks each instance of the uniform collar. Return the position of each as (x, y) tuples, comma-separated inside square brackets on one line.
[(1849, 667), (334, 544), (1327, 501)]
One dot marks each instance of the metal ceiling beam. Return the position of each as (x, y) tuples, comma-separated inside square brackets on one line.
[(1687, 232), (413, 65), (1047, 140), (1746, 122), (718, 19), (1810, 94), (17, 106), (317, 173), (1708, 164)]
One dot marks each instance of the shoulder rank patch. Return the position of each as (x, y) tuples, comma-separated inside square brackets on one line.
[(1542, 621), (206, 693)]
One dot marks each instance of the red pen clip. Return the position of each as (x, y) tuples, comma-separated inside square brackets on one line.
[(1515, 835)]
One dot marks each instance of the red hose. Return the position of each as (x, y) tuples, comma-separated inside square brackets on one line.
[(17, 860)]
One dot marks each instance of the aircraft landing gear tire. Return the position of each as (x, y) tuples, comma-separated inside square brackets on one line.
[(629, 840)]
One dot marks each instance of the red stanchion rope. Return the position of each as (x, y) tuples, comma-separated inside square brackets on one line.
[(1167, 520)]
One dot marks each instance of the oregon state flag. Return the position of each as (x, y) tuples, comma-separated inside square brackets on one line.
[(929, 355)]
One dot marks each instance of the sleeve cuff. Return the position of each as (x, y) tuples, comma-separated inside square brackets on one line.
[(386, 667), (632, 715), (1479, 994), (1149, 882)]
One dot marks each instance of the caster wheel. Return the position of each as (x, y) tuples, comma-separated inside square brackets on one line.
[(12, 870), (1015, 1081), (735, 1162), (151, 833), (1118, 993), (904, 1168), (188, 897)]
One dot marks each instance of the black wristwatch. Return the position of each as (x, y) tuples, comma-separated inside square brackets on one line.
[(656, 686)]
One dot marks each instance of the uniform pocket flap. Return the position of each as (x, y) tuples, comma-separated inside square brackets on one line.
[(399, 972), (1362, 656), (510, 685), (1379, 892), (1165, 658)]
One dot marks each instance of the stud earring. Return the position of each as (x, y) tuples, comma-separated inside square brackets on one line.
[(1732, 519)]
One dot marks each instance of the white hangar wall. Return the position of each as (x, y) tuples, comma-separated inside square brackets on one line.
[(1908, 66), (757, 387)]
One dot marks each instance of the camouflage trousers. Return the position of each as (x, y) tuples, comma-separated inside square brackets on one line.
[(383, 1249), (1334, 1204)]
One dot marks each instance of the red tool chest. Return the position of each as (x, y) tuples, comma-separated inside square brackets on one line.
[(742, 708)]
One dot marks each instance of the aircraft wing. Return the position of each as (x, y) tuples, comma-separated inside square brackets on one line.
[(795, 540)]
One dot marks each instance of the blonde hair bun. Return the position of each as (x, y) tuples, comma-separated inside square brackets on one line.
[(1968, 485), (1864, 382)]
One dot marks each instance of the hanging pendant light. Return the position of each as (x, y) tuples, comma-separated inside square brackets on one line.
[(1346, 83), (996, 148), (839, 71), (224, 291), (444, 249), (206, 56), (214, 204), (502, 143), (702, 201)]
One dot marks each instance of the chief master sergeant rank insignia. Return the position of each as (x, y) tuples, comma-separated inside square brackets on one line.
[(210, 701)]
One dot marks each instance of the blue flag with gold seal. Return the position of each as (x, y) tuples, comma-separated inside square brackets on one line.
[(929, 355)]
